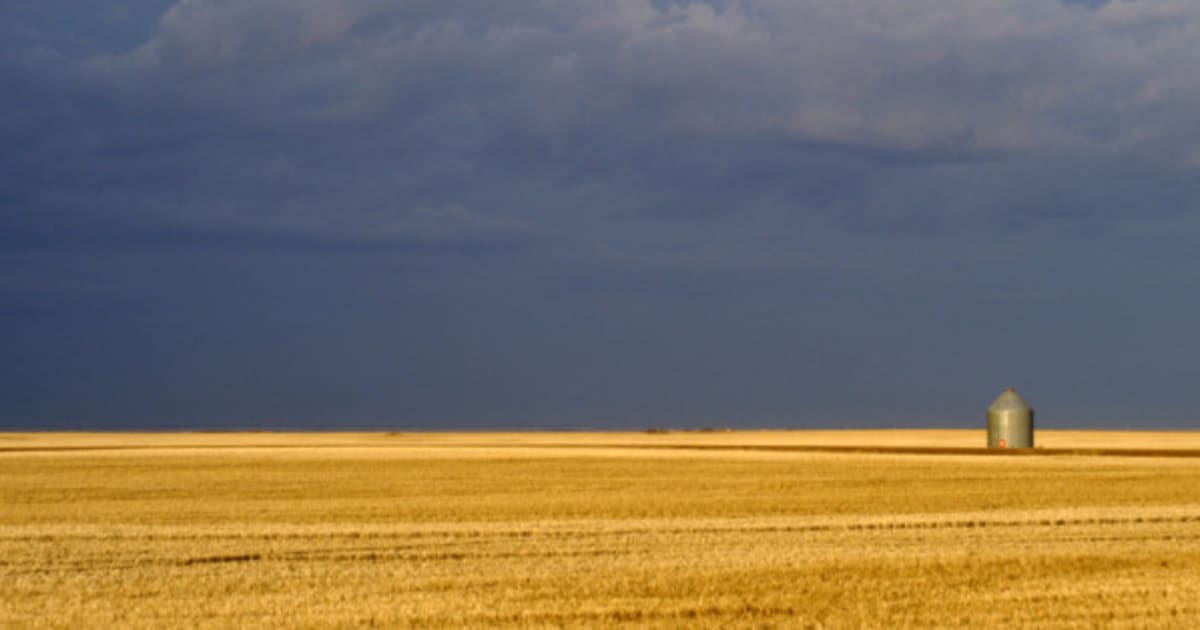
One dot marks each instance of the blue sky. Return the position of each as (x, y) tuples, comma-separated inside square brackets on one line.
[(604, 214)]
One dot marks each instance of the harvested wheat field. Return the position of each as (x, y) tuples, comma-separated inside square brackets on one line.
[(876, 528)]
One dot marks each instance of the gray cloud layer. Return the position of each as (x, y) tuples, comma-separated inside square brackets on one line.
[(350, 103), (931, 75), (541, 209)]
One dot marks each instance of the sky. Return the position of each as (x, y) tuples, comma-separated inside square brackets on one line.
[(608, 214)]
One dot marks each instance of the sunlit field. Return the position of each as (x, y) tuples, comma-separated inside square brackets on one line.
[(830, 528)]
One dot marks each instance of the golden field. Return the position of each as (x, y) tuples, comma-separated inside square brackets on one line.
[(758, 528)]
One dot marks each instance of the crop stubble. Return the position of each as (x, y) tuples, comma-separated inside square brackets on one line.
[(535, 530)]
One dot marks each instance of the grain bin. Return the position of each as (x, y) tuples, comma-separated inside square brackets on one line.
[(1009, 422)]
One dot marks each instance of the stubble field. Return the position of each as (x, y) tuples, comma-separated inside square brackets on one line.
[(877, 528)]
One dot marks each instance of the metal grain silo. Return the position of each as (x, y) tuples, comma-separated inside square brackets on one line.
[(1010, 422)]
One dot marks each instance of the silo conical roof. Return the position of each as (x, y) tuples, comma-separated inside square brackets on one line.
[(1010, 400)]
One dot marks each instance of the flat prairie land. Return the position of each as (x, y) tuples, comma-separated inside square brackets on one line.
[(747, 528)]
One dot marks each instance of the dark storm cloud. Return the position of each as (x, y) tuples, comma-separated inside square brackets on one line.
[(583, 211), (308, 105)]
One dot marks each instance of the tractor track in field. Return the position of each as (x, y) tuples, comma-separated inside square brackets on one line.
[(766, 448)]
